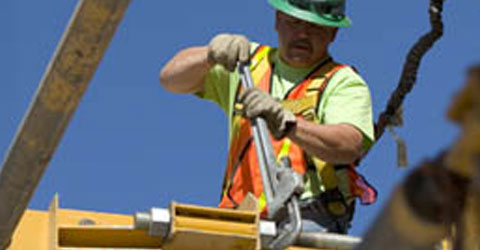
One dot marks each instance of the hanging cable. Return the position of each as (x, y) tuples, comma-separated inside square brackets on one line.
[(410, 68)]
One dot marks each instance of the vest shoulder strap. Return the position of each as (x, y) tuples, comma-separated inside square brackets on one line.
[(305, 101), (322, 85), (258, 55), (259, 68)]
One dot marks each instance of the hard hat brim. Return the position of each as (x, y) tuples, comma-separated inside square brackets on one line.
[(324, 19)]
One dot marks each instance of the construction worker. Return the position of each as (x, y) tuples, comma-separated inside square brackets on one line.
[(317, 110)]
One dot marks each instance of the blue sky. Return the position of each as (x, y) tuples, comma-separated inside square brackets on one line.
[(131, 145)]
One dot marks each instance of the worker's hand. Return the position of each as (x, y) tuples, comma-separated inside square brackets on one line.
[(228, 49), (258, 103)]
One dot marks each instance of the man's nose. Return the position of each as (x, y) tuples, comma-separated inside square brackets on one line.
[(302, 31)]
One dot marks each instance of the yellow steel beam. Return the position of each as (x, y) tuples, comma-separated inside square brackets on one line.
[(192, 227), (79, 229), (60, 229), (31, 232)]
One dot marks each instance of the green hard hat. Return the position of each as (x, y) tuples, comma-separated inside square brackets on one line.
[(323, 12)]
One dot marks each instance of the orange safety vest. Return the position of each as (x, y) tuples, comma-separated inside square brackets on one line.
[(242, 173)]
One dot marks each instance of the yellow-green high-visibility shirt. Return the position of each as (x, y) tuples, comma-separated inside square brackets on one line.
[(346, 99)]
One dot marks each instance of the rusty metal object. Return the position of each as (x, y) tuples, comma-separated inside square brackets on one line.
[(436, 193), (442, 194), (421, 211), (77, 56), (464, 159), (465, 111)]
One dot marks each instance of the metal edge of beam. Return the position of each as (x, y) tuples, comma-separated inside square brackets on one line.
[(75, 60)]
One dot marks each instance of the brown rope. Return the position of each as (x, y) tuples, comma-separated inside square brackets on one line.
[(410, 68)]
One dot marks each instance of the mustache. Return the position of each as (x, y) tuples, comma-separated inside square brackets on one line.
[(301, 43)]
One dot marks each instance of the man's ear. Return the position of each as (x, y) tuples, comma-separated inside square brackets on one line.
[(334, 34), (277, 13)]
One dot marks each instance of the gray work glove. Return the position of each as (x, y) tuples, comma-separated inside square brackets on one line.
[(228, 49), (258, 103)]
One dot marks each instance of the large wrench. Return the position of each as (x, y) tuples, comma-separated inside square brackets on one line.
[(280, 183)]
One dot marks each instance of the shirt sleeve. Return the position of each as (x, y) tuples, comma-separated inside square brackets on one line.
[(349, 101), (221, 85), (216, 87)]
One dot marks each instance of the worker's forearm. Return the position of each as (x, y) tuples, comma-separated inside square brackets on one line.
[(337, 144), (186, 71)]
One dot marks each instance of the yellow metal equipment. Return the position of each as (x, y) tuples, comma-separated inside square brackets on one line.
[(193, 227), (58, 229)]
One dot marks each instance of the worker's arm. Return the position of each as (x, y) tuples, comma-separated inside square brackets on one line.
[(336, 143), (340, 143), (186, 71)]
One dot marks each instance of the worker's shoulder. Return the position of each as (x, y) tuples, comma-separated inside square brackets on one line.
[(347, 79), (347, 74)]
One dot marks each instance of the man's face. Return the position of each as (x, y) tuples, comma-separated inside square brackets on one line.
[(301, 43)]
